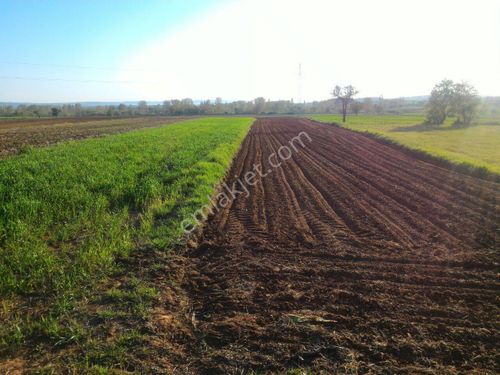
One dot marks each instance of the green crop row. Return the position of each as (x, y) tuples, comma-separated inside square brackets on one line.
[(67, 212)]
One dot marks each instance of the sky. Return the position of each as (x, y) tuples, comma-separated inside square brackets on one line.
[(88, 50)]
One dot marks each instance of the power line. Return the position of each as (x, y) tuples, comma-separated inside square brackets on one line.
[(71, 80), (74, 66)]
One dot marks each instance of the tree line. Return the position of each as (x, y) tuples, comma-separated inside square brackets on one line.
[(447, 99), (187, 107)]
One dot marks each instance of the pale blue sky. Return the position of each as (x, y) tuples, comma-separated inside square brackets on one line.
[(118, 50), (79, 40)]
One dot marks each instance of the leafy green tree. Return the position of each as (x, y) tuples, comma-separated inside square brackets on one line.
[(439, 105), (55, 111), (465, 103), (452, 99)]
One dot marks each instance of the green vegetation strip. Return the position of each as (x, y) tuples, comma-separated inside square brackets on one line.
[(67, 212), (475, 148)]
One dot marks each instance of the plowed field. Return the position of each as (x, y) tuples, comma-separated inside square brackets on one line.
[(351, 256), (16, 135)]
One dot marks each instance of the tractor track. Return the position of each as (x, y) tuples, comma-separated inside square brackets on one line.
[(350, 257)]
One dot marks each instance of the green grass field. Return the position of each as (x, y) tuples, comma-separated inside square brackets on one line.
[(68, 211), (477, 146)]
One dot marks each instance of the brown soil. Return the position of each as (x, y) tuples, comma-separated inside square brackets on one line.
[(352, 257), (16, 135)]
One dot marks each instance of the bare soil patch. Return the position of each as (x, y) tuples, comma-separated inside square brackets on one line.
[(17, 135), (351, 257)]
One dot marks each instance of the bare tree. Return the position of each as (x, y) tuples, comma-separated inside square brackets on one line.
[(345, 95)]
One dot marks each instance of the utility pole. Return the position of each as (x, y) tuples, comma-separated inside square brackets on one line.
[(299, 96)]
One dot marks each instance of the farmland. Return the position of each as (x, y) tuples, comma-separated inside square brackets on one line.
[(17, 135), (250, 188), (69, 211), (351, 256), (475, 146)]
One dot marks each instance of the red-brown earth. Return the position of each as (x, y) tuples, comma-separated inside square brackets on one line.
[(19, 134), (349, 257)]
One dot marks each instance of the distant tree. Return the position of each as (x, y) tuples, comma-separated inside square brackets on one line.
[(9, 110), (465, 103), (122, 109), (55, 111), (110, 110), (66, 110), (175, 107), (356, 107), (187, 102), (21, 110), (166, 107), (368, 105), (240, 107), (142, 107), (99, 110), (452, 99), (218, 105), (380, 106), (188, 107), (440, 101), (78, 109), (260, 105), (345, 95), (206, 107)]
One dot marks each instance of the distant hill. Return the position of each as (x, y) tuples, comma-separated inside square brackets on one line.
[(419, 98), (83, 104), (416, 100), (135, 102)]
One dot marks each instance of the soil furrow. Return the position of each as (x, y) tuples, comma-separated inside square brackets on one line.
[(349, 257)]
